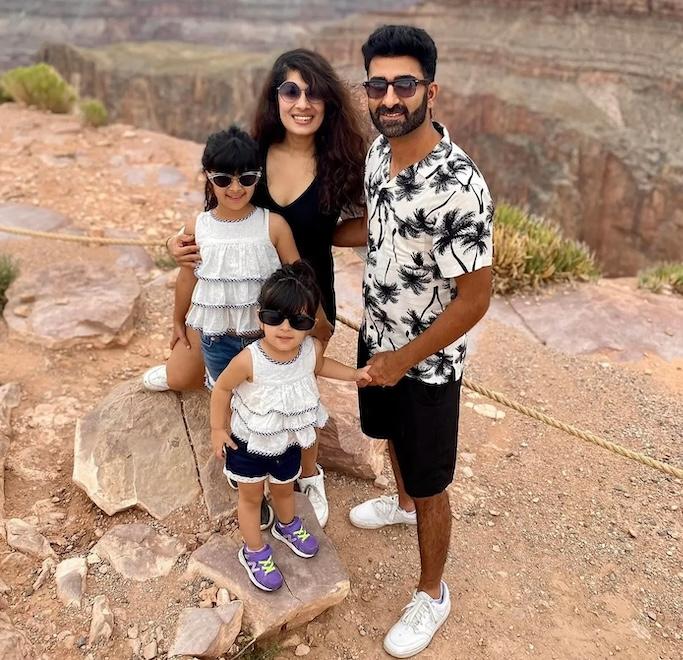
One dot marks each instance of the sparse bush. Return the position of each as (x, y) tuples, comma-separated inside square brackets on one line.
[(8, 273), (93, 112), (667, 277), (531, 251), (39, 85), (4, 96)]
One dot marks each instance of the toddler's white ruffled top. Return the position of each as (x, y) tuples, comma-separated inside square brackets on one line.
[(281, 406), (237, 257)]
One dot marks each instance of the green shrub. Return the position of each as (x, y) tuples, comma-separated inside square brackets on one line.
[(4, 96), (667, 277), (531, 251), (41, 86), (8, 273), (93, 112)]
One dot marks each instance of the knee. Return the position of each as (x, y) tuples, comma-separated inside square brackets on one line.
[(180, 380), (250, 496)]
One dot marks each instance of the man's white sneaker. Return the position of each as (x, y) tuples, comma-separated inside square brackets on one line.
[(314, 489), (380, 512), (155, 380), (418, 624)]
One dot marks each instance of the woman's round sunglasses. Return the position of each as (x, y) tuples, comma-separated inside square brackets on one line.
[(291, 92), (404, 88), (298, 321), (246, 179)]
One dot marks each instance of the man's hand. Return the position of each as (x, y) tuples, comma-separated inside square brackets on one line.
[(387, 368), (220, 437), (184, 250), (179, 335)]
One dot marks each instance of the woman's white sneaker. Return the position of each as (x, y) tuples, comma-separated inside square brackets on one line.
[(379, 512), (418, 624), (155, 379)]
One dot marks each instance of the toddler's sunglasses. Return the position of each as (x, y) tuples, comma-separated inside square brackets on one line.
[(291, 92), (376, 88), (276, 317), (246, 179)]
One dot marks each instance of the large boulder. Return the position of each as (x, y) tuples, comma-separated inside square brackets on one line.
[(343, 446), (311, 585), (133, 450), (73, 303)]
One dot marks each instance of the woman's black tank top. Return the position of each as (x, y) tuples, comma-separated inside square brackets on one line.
[(312, 230)]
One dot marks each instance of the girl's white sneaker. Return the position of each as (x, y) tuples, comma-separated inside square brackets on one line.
[(155, 379)]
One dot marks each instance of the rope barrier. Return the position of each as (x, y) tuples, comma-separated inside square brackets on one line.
[(489, 394), (551, 421), (79, 239)]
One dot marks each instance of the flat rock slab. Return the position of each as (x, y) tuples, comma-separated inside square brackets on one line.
[(311, 585), (207, 632), (343, 446), (133, 450), (35, 218), (71, 304), (27, 539), (138, 552)]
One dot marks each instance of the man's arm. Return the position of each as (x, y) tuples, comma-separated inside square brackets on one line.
[(352, 232), (460, 316)]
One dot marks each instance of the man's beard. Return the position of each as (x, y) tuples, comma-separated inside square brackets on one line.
[(401, 127)]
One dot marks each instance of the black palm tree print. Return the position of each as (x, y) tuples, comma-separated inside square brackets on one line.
[(416, 324), (454, 228), (441, 180), (386, 292), (415, 279), (490, 210), (476, 239), (407, 187), (441, 363)]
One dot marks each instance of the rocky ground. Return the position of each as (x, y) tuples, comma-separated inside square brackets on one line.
[(559, 549)]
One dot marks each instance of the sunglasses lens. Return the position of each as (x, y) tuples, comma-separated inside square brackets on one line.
[(376, 89), (221, 180), (301, 322), (271, 316), (313, 96), (248, 180), (289, 91), (405, 88)]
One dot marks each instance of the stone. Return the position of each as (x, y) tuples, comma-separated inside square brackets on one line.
[(130, 257), (133, 450), (302, 650), (381, 482), (100, 309), (45, 571), (10, 396), (311, 585), (220, 499), (487, 410), (35, 218), (150, 650), (70, 579), (223, 597), (138, 552), (14, 645), (26, 538), (102, 622), (343, 447), (207, 633)]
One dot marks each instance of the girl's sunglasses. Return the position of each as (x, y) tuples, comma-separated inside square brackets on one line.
[(276, 317), (246, 179), (404, 88), (291, 92)]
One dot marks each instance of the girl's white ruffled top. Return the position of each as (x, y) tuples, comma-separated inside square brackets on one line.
[(237, 257), (281, 406)]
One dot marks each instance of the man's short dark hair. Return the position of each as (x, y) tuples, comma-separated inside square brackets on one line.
[(399, 40)]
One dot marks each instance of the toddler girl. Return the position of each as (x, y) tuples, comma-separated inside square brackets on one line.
[(268, 397)]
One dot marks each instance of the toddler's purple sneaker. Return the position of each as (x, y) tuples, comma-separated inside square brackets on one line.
[(261, 568), (296, 537)]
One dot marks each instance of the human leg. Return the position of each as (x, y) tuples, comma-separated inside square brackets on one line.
[(248, 513), (184, 369)]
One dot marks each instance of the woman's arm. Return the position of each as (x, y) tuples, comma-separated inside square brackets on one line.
[(238, 370)]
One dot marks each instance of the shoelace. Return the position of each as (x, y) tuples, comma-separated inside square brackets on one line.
[(267, 565), (414, 611), (301, 534), (386, 505)]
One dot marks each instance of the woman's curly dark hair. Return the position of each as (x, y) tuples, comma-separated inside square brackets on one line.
[(340, 141)]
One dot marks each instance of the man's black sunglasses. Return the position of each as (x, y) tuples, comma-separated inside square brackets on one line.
[(405, 87), (276, 317)]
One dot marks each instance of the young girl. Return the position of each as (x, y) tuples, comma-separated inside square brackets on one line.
[(240, 246), (269, 398)]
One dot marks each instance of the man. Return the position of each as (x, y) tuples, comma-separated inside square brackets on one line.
[(427, 282)]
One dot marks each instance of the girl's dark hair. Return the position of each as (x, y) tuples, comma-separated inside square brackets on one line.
[(291, 289), (340, 142), (398, 40), (233, 151)]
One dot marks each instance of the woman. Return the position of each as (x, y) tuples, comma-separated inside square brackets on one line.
[(313, 150)]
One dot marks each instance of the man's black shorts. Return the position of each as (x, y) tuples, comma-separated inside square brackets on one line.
[(421, 421)]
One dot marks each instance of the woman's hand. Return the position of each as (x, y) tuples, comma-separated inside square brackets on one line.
[(184, 250), (179, 335)]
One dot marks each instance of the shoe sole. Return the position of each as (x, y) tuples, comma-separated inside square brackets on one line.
[(271, 518), (413, 652), (254, 581), (364, 525), (290, 545), (150, 387)]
